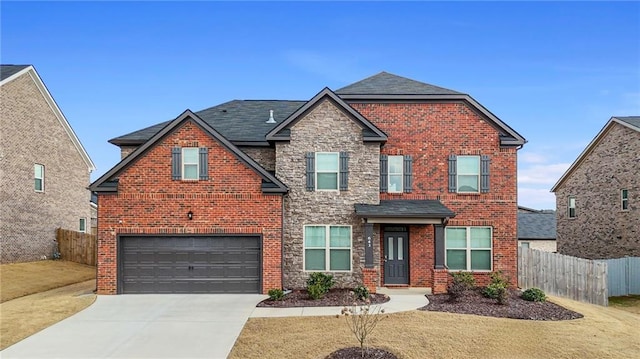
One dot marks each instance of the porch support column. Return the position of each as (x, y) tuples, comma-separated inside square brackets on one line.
[(439, 246), (368, 245)]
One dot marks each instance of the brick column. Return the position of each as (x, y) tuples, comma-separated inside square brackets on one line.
[(370, 278), (440, 279)]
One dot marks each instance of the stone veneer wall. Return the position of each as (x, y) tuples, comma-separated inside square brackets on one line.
[(126, 151), (265, 156), (31, 133), (326, 129), (601, 230)]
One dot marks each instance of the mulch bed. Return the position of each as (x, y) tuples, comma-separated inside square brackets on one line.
[(355, 353), (334, 298), (473, 302)]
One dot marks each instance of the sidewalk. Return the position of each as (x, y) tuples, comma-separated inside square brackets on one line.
[(401, 300)]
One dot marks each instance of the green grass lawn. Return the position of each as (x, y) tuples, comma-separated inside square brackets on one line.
[(629, 303)]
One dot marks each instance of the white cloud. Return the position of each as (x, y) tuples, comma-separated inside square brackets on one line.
[(541, 174), (529, 157), (537, 198)]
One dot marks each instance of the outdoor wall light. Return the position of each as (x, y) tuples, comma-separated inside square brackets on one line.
[(190, 215)]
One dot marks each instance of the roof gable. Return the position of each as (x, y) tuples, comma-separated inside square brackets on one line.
[(630, 122), (13, 72), (370, 132), (104, 183), (385, 83)]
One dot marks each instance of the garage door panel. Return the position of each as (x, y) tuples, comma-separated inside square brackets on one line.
[(207, 264)]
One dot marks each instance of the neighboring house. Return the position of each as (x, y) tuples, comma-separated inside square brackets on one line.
[(385, 182), (537, 229), (597, 197), (45, 169)]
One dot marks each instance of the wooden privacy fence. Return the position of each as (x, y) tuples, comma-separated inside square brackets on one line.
[(579, 279), (623, 276), (77, 247)]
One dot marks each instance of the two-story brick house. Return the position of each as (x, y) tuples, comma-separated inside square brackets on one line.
[(598, 216), (45, 169), (386, 182)]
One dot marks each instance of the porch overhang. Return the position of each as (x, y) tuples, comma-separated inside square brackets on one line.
[(426, 211)]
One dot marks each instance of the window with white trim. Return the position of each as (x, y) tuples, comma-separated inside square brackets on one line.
[(624, 199), (327, 169), (395, 174), (468, 248), (468, 170), (327, 248), (82, 227), (190, 163), (571, 207), (38, 175)]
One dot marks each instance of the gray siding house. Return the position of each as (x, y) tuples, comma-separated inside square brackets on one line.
[(45, 169), (537, 229), (597, 197)]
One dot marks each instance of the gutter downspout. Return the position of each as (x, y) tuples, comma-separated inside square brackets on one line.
[(282, 243)]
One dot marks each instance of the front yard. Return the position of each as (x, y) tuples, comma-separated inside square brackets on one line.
[(602, 333), (36, 295)]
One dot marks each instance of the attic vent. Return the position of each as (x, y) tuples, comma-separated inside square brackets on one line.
[(271, 119)]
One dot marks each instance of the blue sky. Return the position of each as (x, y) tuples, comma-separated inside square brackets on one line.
[(554, 71)]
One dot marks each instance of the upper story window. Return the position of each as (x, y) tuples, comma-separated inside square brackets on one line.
[(327, 174), (624, 199), (469, 174), (327, 248), (396, 174), (82, 227), (571, 207), (468, 248), (38, 175), (190, 163), (327, 171)]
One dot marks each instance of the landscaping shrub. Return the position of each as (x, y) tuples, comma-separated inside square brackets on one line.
[(497, 289), (462, 282), (325, 281), (276, 294), (361, 292), (362, 321), (316, 291), (534, 295)]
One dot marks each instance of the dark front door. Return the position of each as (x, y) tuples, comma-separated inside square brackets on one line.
[(396, 261)]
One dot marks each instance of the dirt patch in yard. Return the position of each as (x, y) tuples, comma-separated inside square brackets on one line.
[(30, 314), (20, 279), (602, 333), (473, 302)]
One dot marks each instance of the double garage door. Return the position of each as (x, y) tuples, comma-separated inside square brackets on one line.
[(190, 264)]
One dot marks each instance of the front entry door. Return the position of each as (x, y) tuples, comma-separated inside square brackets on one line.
[(396, 263)]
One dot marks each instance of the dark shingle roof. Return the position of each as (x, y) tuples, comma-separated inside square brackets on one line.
[(385, 83), (237, 120), (632, 120), (405, 208), (540, 225), (10, 70)]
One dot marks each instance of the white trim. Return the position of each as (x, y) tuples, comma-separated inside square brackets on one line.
[(468, 248), (624, 199), (569, 207), (197, 163), (337, 172), (56, 111), (85, 225), (40, 178), (389, 174), (458, 174), (327, 248), (590, 147)]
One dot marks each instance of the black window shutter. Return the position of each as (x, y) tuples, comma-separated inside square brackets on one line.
[(176, 165), (453, 185), (408, 174), (344, 171), (484, 173), (311, 172), (384, 168), (204, 163)]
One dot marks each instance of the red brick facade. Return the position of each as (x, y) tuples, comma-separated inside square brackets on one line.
[(430, 132), (148, 201)]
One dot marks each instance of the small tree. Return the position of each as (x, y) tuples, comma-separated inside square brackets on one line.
[(362, 320)]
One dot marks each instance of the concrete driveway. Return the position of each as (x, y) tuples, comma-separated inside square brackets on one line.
[(145, 326)]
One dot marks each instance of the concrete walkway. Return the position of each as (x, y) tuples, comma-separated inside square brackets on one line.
[(401, 300)]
